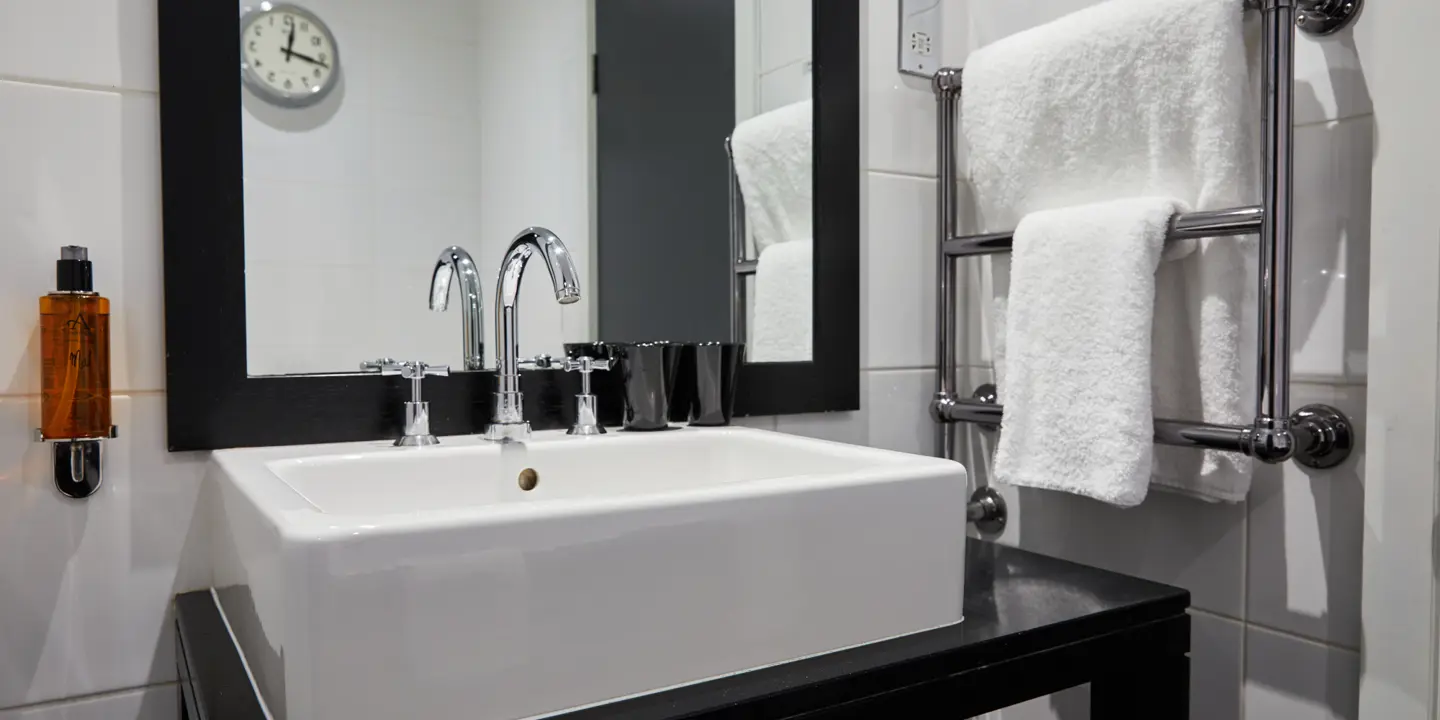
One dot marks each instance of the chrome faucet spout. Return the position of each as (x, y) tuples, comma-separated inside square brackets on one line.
[(455, 262), (508, 420)]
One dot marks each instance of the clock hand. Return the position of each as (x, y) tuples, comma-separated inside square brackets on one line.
[(307, 58), (290, 49)]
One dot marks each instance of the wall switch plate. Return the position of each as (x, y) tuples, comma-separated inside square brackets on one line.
[(920, 37)]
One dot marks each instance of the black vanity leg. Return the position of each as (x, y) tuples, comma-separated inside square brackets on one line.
[(1158, 690)]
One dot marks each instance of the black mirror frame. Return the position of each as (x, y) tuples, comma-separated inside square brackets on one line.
[(212, 400)]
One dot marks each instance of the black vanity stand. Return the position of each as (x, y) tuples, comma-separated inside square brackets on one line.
[(1033, 625)]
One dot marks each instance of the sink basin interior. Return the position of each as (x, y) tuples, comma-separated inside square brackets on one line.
[(393, 481)]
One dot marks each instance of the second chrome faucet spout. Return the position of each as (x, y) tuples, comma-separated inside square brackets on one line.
[(508, 420), (453, 262)]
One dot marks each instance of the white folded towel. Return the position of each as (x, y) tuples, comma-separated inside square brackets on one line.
[(784, 304), (1082, 302), (774, 163), (1126, 99)]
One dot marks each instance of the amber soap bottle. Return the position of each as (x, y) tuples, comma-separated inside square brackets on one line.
[(74, 353)]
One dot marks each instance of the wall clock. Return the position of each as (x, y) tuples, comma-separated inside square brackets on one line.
[(288, 56)]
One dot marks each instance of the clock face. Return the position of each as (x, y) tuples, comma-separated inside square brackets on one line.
[(288, 56)]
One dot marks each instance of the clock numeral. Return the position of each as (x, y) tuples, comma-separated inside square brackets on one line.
[(258, 31), (315, 40), (259, 64), (289, 20), (305, 26), (272, 21), (317, 72), (252, 46), (289, 85), (270, 77), (322, 58)]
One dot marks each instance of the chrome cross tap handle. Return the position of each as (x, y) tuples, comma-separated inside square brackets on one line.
[(587, 412), (417, 411)]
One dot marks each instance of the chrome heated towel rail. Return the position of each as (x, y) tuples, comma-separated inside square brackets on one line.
[(1315, 435)]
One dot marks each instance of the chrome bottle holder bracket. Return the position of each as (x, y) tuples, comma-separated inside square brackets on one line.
[(77, 463)]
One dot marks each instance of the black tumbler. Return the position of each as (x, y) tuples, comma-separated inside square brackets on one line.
[(648, 371), (715, 368)]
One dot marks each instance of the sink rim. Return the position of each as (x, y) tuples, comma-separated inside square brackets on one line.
[(298, 519)]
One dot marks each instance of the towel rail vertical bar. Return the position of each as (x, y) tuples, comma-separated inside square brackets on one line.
[(946, 84), (1273, 440), (737, 252)]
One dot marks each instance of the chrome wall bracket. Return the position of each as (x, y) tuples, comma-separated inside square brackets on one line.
[(1327, 17), (987, 510), (1324, 436), (77, 465)]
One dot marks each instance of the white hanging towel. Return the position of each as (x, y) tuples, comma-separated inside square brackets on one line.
[(1078, 410), (774, 164), (784, 304), (1127, 99)]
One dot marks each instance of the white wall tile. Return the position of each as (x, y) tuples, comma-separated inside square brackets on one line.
[(846, 427), (899, 110), (80, 167), (899, 410), (88, 585), (785, 33), (1331, 281), (1170, 539), (109, 43), (899, 267), (1216, 659), (786, 85), (1307, 530), (160, 702), (1329, 77), (1292, 679)]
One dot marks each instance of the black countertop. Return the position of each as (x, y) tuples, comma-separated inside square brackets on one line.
[(1033, 625)]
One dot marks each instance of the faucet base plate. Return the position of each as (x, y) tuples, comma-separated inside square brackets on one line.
[(508, 432)]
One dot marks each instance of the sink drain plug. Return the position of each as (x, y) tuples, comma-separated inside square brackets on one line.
[(529, 479)]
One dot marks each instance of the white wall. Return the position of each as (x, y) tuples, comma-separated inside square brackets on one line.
[(1276, 581), (85, 587), (348, 203)]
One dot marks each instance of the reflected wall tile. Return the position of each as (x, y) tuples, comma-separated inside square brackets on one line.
[(786, 85), (785, 33)]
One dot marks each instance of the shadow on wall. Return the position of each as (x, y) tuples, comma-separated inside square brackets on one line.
[(289, 120)]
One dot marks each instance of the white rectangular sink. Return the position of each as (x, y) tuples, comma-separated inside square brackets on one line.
[(365, 581)]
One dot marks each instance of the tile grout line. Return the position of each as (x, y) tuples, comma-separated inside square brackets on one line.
[(1287, 634), (900, 174), (71, 85), (113, 393), (101, 695)]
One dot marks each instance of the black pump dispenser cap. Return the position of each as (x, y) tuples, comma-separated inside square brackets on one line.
[(72, 271)]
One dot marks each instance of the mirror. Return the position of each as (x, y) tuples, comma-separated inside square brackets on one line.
[(376, 134)]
